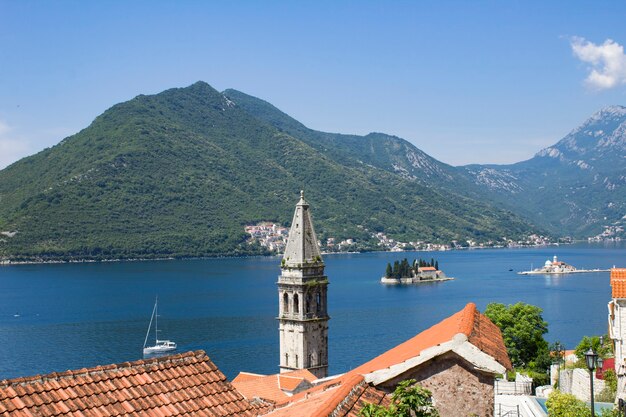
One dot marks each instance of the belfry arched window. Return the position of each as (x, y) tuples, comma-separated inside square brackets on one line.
[(307, 306), (318, 302), (285, 303), (296, 305)]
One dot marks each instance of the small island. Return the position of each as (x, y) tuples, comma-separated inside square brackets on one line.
[(557, 267), (419, 272)]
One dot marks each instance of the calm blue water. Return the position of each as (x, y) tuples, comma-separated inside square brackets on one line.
[(81, 315)]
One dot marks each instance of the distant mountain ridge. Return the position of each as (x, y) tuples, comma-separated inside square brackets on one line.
[(387, 152), (180, 173), (576, 186)]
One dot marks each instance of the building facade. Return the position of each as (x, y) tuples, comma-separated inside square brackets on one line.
[(617, 326), (302, 299)]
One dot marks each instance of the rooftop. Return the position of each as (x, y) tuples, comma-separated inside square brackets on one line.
[(187, 384), (618, 282), (343, 397), (277, 388), (476, 327)]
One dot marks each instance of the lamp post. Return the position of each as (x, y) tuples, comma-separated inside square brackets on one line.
[(591, 358)]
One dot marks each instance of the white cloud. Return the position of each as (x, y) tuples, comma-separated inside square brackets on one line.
[(607, 62)]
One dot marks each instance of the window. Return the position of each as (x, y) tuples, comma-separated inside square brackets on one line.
[(296, 361), (286, 359), (307, 308), (285, 303), (296, 306), (318, 302)]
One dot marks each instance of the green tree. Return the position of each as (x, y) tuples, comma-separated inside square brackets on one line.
[(396, 269), (594, 342), (522, 328), (389, 271), (566, 405), (407, 400)]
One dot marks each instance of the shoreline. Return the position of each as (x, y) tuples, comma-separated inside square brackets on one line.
[(410, 281), (8, 262), (578, 271)]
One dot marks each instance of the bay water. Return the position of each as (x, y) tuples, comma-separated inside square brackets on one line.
[(55, 317)]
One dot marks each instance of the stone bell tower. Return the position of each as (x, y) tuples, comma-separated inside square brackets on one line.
[(302, 290)]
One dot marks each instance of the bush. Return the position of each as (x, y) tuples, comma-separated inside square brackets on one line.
[(566, 405), (607, 395)]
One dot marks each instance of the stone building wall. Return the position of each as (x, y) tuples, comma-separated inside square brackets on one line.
[(458, 389), (576, 382)]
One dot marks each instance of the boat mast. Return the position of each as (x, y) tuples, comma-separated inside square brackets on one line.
[(156, 321), (150, 325)]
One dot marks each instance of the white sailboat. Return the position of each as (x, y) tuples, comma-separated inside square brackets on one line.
[(160, 346)]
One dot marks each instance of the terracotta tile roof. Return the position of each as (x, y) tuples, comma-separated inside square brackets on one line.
[(427, 268), (275, 388), (480, 331), (187, 384), (486, 336), (618, 282), (247, 376), (343, 397)]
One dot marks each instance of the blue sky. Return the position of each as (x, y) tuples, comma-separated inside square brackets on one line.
[(467, 82)]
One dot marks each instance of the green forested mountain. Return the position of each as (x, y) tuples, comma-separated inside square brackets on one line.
[(576, 187), (181, 172), (386, 152)]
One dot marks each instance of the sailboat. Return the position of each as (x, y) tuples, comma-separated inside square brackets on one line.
[(160, 346)]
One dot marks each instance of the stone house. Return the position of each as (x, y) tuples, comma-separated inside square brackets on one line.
[(427, 272)]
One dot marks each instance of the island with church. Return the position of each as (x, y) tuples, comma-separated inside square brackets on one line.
[(420, 271)]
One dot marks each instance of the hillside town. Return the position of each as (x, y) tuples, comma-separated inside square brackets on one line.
[(273, 237)]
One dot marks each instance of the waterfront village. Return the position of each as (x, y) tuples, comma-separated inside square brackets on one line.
[(461, 366), (273, 237)]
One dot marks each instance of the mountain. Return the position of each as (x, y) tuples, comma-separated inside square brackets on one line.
[(576, 187), (180, 173), (386, 152)]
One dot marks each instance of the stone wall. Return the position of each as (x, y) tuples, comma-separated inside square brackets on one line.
[(458, 389), (576, 382)]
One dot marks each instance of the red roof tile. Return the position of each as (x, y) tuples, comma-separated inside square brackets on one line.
[(618, 282), (343, 397), (178, 385), (274, 388), (480, 331)]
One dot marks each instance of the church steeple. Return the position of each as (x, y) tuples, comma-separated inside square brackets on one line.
[(301, 245), (302, 294)]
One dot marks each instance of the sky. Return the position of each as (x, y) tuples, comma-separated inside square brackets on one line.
[(466, 82)]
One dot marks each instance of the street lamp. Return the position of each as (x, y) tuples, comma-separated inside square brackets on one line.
[(559, 350), (592, 360)]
